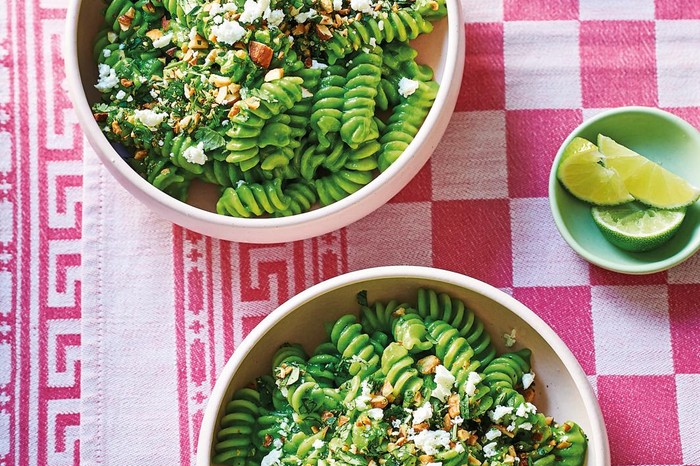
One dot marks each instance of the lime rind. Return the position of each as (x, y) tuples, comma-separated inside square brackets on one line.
[(637, 228)]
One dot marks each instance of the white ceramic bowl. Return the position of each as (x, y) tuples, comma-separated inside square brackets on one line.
[(567, 396), (443, 49)]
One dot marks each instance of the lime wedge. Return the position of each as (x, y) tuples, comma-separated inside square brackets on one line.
[(636, 227), (647, 181), (583, 173)]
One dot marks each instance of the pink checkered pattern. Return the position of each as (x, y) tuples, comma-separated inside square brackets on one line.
[(114, 323)]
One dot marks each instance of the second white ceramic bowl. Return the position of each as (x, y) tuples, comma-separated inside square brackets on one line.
[(563, 389), (442, 49)]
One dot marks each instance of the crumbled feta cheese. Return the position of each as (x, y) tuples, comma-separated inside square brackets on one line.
[(240, 183), (444, 381), (120, 95), (195, 154), (380, 25), (130, 99), (318, 443), (273, 17), (493, 434), (364, 6), (458, 420), (107, 53), (407, 86), (564, 438), (149, 118), (228, 32), (337, 4), (511, 427), (490, 450), (253, 10), (396, 423), (230, 7), (154, 93), (524, 409), (315, 65), (499, 412), (376, 413), (218, 20), (526, 426), (372, 41), (271, 458), (215, 9), (163, 40), (193, 34), (430, 440), (472, 380), (439, 463), (422, 413), (108, 78), (302, 17), (459, 448), (528, 379)]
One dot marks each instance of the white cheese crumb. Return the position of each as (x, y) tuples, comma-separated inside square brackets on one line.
[(490, 450), (525, 408), (162, 41), (499, 412), (528, 379), (107, 53), (493, 434), (108, 78), (380, 25), (318, 443), (271, 458), (430, 440), (396, 423), (526, 426), (423, 413), (458, 420), (337, 4), (253, 10), (472, 380), (315, 65), (364, 6), (149, 118), (372, 41), (302, 17), (439, 463), (273, 17), (195, 154), (376, 413), (228, 32), (459, 448), (130, 99), (120, 95), (407, 86), (444, 381)]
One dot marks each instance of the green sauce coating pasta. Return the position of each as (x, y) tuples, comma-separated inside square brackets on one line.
[(286, 105), (400, 386)]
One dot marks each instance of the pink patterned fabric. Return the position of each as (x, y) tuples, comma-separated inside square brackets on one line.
[(114, 323)]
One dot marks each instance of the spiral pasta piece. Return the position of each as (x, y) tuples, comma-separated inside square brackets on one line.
[(443, 307), (357, 120), (328, 101), (234, 439), (354, 345), (356, 173), (379, 317), (411, 332), (397, 367), (507, 370), (453, 350), (247, 200), (404, 123), (162, 174)]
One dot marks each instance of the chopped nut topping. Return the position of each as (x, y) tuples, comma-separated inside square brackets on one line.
[(154, 34), (379, 402), (272, 75), (198, 43), (260, 53), (323, 32), (100, 116), (140, 154), (428, 364), (126, 82)]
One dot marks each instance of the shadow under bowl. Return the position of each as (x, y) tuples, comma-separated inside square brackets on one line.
[(663, 138)]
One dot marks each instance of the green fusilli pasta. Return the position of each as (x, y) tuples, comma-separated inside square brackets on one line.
[(401, 384), (285, 106)]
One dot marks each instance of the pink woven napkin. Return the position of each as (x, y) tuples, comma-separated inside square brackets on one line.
[(164, 308)]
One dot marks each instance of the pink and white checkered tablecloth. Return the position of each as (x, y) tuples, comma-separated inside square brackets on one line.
[(114, 323)]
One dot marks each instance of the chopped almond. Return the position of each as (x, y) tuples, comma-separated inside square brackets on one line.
[(198, 43), (154, 34), (323, 32), (272, 75), (260, 53), (140, 154)]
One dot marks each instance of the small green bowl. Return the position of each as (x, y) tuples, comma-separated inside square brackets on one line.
[(663, 138)]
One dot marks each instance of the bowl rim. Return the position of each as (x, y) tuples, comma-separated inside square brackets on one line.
[(590, 401), (445, 102), (630, 269)]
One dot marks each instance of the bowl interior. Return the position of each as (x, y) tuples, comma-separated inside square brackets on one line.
[(662, 137), (430, 47), (562, 389)]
